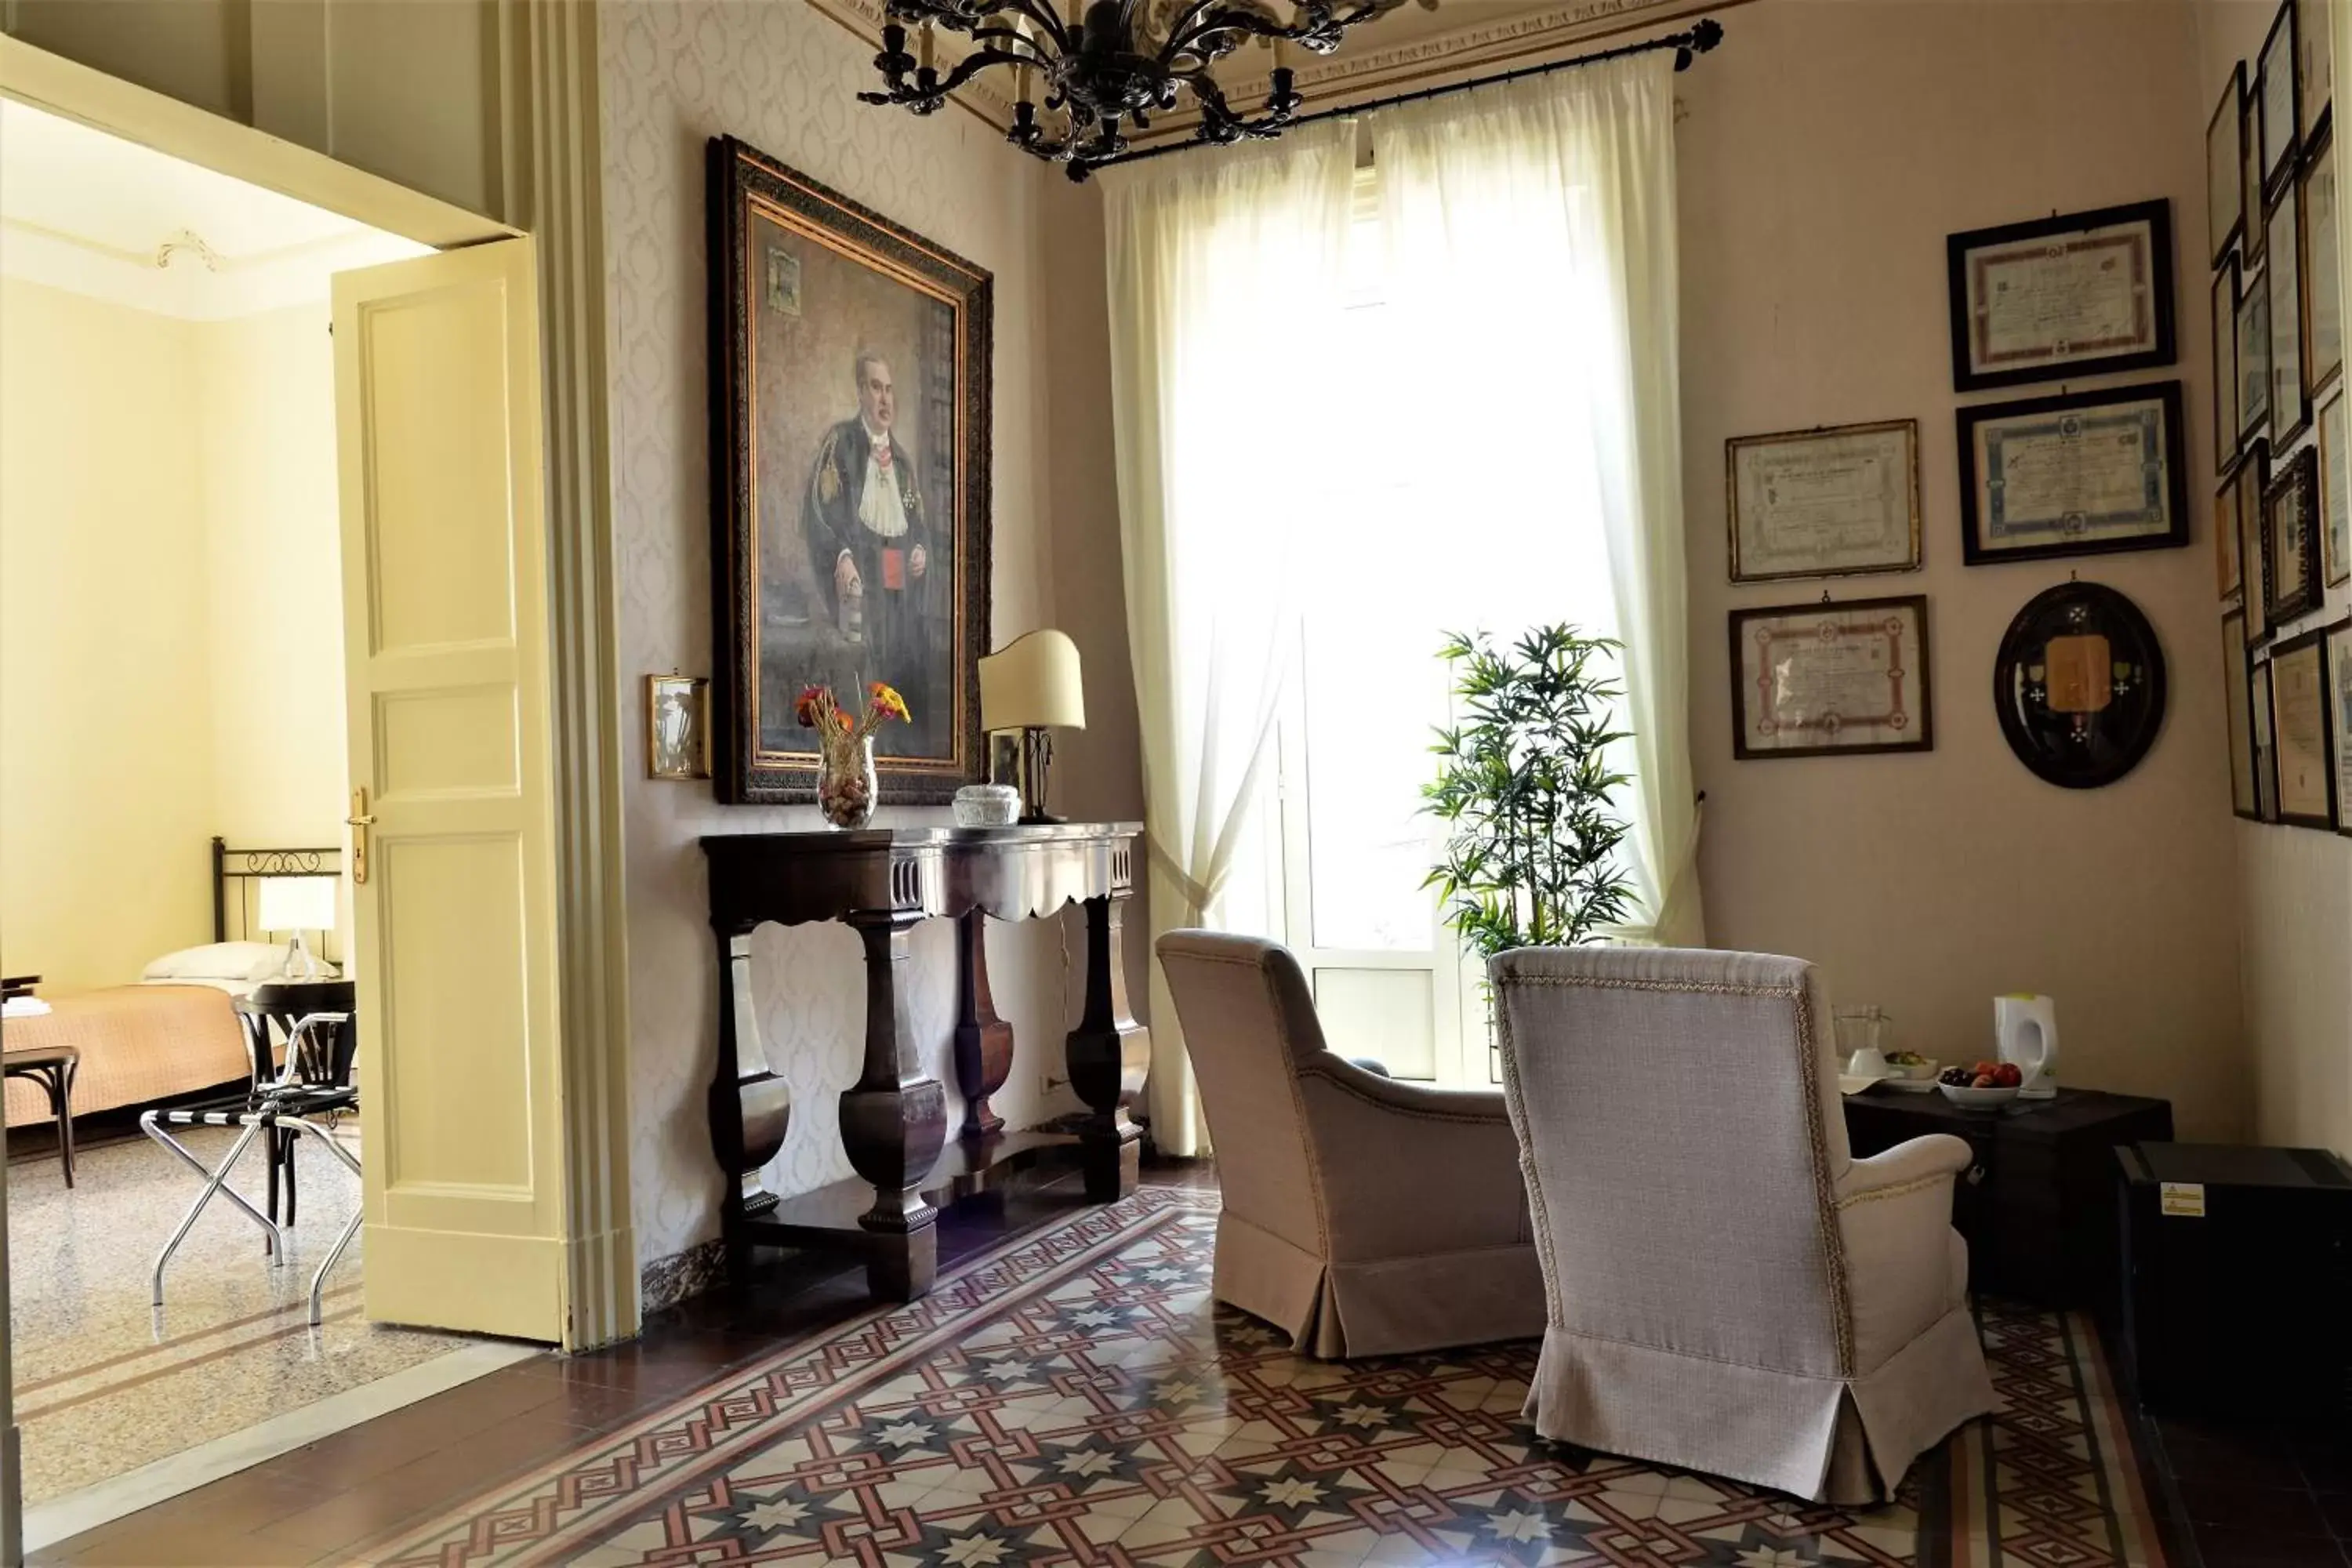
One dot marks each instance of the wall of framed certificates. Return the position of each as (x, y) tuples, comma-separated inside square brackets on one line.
[(2283, 520)]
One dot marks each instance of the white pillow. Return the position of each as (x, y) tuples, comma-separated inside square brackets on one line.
[(219, 961)]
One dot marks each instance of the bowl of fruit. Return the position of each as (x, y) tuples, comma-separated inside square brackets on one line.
[(1910, 1072), (1984, 1084)]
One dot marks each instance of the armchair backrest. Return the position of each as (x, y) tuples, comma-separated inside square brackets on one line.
[(1680, 1129), (1248, 1021)]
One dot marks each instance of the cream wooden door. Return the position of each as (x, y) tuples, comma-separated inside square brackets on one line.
[(445, 593)]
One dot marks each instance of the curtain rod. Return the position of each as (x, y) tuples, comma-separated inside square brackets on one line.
[(1688, 45)]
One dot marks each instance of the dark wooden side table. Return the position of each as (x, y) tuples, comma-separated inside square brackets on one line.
[(883, 883), (2038, 1208), (53, 1067)]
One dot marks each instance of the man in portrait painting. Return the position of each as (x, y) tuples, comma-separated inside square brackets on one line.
[(869, 538)]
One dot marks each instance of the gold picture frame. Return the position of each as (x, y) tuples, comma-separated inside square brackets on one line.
[(1838, 500), (678, 727)]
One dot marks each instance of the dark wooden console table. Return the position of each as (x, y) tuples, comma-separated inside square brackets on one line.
[(883, 883)]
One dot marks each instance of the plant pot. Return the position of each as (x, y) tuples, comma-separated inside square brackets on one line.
[(846, 785)]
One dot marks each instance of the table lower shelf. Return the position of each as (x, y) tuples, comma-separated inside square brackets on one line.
[(828, 1216)]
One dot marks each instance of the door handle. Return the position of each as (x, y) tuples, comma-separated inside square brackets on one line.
[(359, 822)]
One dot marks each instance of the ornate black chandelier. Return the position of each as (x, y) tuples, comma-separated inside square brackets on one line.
[(1125, 61)]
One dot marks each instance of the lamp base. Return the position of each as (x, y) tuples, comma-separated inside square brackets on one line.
[(1034, 759), (299, 966)]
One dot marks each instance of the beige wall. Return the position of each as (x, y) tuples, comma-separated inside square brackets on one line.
[(1829, 150), (784, 79), (171, 655), (106, 801), (408, 89), (2294, 885)]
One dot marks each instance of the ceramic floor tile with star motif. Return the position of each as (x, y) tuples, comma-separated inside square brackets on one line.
[(1074, 1398)]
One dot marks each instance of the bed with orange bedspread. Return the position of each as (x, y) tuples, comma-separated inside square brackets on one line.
[(138, 1044)]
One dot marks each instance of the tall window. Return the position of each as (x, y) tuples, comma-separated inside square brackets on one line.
[(1429, 524)]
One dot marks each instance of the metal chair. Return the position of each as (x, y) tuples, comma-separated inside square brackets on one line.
[(313, 1082)]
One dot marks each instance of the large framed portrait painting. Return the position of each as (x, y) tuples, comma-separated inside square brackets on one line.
[(849, 486)]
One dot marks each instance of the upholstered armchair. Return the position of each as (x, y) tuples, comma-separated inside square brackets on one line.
[(1362, 1216), (1726, 1288)]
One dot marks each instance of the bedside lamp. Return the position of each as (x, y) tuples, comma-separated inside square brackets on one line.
[(297, 904), (1031, 685)]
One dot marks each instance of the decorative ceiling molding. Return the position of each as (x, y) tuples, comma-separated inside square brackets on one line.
[(1363, 69)]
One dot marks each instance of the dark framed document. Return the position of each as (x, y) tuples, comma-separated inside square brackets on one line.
[(2277, 68), (2237, 698), (2228, 430), (2249, 178), (1822, 680), (2315, 39), (2078, 685), (2306, 741), (2335, 496), (2323, 282), (2291, 538), (2265, 749), (2080, 474), (2225, 158), (2254, 355), (2229, 560), (1823, 504), (2339, 698), (2290, 407), (2252, 478), (2082, 294)]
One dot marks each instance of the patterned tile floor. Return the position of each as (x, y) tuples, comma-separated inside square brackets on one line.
[(1073, 1398)]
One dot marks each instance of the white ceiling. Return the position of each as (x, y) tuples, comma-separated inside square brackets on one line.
[(88, 212)]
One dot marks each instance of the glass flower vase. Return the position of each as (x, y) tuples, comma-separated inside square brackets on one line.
[(846, 782)]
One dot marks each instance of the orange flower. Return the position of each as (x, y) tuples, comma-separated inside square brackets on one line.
[(887, 701), (810, 708)]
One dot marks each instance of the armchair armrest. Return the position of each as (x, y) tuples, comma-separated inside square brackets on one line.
[(1407, 1169), (1905, 1266)]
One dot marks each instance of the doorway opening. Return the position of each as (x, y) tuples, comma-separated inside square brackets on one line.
[(175, 763)]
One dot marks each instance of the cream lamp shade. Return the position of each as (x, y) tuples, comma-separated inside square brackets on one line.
[(297, 903), (1032, 683)]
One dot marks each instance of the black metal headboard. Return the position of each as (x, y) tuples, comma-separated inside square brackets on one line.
[(233, 906)]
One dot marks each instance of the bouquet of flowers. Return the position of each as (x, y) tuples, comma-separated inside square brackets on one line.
[(844, 789)]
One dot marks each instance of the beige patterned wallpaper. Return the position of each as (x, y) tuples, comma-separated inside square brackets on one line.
[(674, 73)]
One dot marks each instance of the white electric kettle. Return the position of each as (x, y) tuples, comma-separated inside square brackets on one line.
[(2025, 1031)]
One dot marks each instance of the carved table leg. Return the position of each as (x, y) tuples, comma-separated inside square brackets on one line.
[(1109, 1052), (893, 1122), (749, 1107), (983, 1041)]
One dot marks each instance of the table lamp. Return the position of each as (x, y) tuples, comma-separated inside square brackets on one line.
[(297, 904), (1031, 685)]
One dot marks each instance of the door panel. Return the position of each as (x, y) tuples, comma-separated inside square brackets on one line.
[(436, 364)]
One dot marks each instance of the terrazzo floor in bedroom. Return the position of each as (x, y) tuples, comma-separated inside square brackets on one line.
[(104, 1383)]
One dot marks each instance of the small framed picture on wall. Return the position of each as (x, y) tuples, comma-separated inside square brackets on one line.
[(2079, 474), (2081, 294), (2237, 693), (2315, 39), (2280, 117), (1821, 679), (2323, 282), (2291, 538), (2252, 478), (2290, 404), (2225, 162), (2253, 356), (2303, 736), (2335, 496), (2266, 800), (2229, 571), (2227, 428), (2339, 698)]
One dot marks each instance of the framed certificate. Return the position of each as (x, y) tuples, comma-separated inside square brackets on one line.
[(2290, 408), (2080, 474), (2323, 283), (2315, 39), (2237, 693), (2249, 178), (2225, 158), (2078, 295), (1812, 680), (2254, 476), (2226, 424), (2278, 69), (2265, 748), (2339, 701), (2291, 538), (2254, 355), (2305, 742), (1824, 503), (2229, 569), (2335, 503)]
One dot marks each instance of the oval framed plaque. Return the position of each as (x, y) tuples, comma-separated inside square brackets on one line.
[(2079, 685)]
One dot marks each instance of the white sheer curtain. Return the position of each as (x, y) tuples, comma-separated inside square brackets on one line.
[(1225, 280), (1531, 272)]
